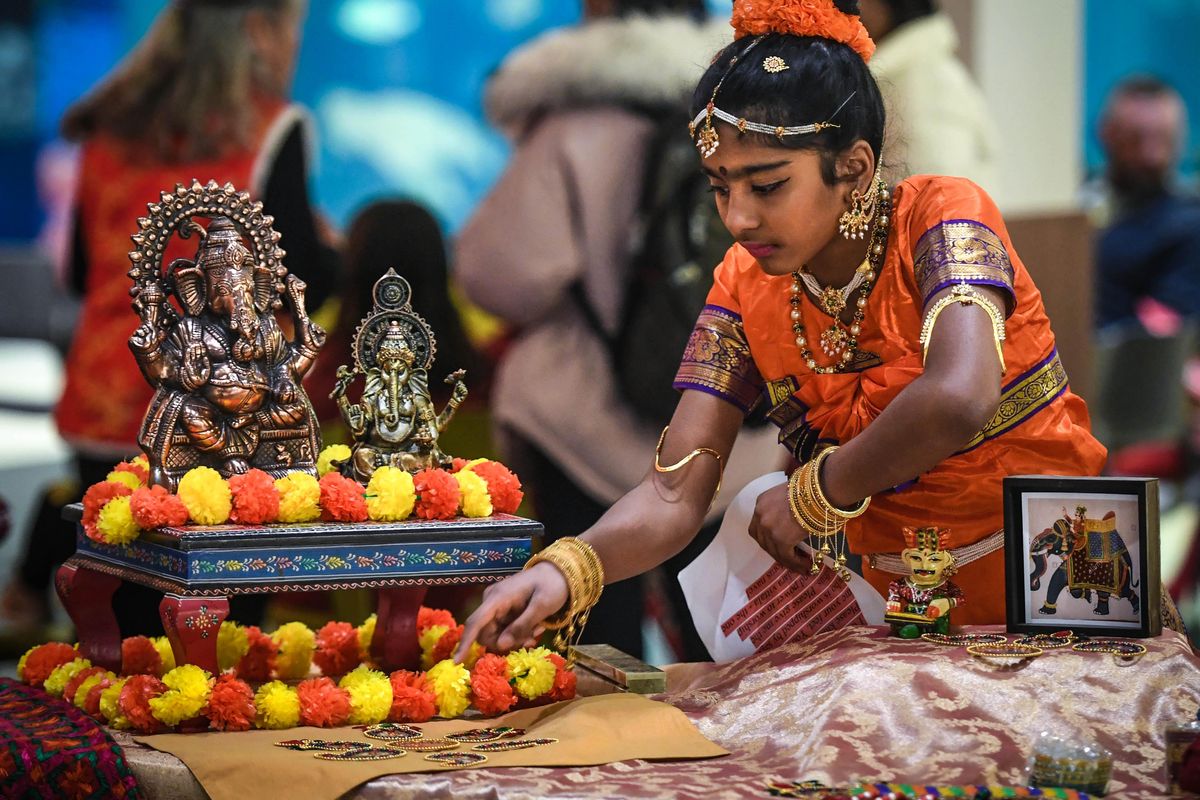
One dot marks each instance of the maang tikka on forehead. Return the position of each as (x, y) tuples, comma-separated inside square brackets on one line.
[(708, 141)]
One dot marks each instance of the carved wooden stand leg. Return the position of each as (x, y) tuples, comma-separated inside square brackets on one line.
[(87, 596), (394, 645), (192, 624)]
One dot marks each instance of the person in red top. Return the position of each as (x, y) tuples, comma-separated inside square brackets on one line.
[(891, 333), (204, 96)]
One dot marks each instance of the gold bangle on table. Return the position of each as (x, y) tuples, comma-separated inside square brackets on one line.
[(584, 573), (1007, 653), (683, 462), (967, 295), (1123, 652)]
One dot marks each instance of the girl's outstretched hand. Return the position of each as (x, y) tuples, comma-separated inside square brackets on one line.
[(512, 611)]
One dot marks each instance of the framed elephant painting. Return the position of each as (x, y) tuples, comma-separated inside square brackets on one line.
[(1082, 554)]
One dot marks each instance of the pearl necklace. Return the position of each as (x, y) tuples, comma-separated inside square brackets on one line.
[(837, 342)]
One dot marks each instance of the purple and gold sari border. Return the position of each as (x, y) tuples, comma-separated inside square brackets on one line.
[(961, 251), (1024, 396), (717, 359)]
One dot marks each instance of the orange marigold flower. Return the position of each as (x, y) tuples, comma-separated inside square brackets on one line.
[(503, 486), (44, 659), (336, 651), (342, 499), (135, 468), (490, 688), (323, 704), (139, 656), (801, 18), (413, 699), (155, 507), (94, 499), (564, 680), (259, 660), (77, 680), (438, 494), (135, 702), (428, 617), (91, 704), (231, 704), (255, 498)]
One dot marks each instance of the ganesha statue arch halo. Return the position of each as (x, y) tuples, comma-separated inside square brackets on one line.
[(227, 380)]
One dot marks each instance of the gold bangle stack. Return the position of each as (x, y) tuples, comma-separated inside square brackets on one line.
[(817, 515), (584, 573), (967, 295)]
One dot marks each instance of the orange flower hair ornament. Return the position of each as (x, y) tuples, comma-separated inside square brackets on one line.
[(801, 18)]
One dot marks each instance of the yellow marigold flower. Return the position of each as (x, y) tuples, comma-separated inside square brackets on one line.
[(366, 632), (451, 685), (110, 707), (163, 645), (474, 654), (370, 695), (277, 706), (390, 495), (127, 478), (88, 684), (206, 495), (474, 462), (334, 452), (296, 643), (116, 521), (532, 672), (475, 499), (232, 644), (428, 640), (142, 461), (62, 674), (25, 655), (188, 688), (299, 497)]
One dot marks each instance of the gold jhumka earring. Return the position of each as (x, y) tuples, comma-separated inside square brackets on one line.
[(854, 221)]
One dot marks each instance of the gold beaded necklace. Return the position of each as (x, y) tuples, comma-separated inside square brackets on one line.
[(838, 342)]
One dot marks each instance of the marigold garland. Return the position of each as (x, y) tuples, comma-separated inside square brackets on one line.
[(259, 660), (277, 706), (296, 642), (451, 685), (390, 495), (342, 499), (110, 705), (94, 500), (438, 495), (62, 674), (115, 524), (166, 654), (155, 507), (254, 497), (206, 495), (231, 704), (138, 467), (80, 695), (370, 695), (91, 703), (366, 632), (564, 680), (337, 648), (532, 672), (330, 454), (491, 689), (503, 486), (413, 699), (134, 703), (38, 662), (123, 476), (475, 499), (299, 497), (75, 681), (323, 704), (232, 645), (185, 696)]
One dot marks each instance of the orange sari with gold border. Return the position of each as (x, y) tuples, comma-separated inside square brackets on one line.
[(943, 231)]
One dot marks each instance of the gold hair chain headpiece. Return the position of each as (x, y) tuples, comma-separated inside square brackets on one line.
[(708, 141)]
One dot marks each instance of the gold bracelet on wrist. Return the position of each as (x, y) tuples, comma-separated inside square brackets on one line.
[(584, 573), (813, 511), (967, 295)]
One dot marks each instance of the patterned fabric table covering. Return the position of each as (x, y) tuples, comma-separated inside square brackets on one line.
[(856, 705)]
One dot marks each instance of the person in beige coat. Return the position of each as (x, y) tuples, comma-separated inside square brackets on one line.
[(575, 103), (938, 119)]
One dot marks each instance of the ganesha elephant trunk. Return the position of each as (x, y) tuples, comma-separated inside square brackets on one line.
[(243, 319)]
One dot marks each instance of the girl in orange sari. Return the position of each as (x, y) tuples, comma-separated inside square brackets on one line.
[(890, 332)]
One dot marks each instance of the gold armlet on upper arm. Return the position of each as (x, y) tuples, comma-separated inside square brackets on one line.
[(966, 295)]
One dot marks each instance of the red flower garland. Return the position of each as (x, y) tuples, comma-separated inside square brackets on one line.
[(254, 497), (137, 470), (438, 494), (135, 703), (564, 680), (91, 703), (94, 500), (342, 499), (336, 651), (139, 656), (503, 486), (231, 704), (77, 680), (413, 699), (155, 507), (492, 693), (323, 704), (428, 617), (44, 659), (259, 660), (802, 18)]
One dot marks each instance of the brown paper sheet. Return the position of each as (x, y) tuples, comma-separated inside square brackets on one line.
[(590, 730)]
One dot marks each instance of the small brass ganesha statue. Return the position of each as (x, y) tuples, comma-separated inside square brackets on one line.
[(921, 602), (394, 423), (227, 381)]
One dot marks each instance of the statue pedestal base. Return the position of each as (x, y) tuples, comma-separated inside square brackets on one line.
[(198, 568)]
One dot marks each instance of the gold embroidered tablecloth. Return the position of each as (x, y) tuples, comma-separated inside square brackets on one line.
[(855, 705)]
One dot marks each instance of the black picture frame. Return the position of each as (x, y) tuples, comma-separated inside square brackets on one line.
[(1040, 517)]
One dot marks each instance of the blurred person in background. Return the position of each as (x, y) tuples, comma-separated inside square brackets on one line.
[(548, 251), (203, 95), (938, 120), (1148, 249)]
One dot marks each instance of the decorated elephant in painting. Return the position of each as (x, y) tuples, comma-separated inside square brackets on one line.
[(1094, 558)]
